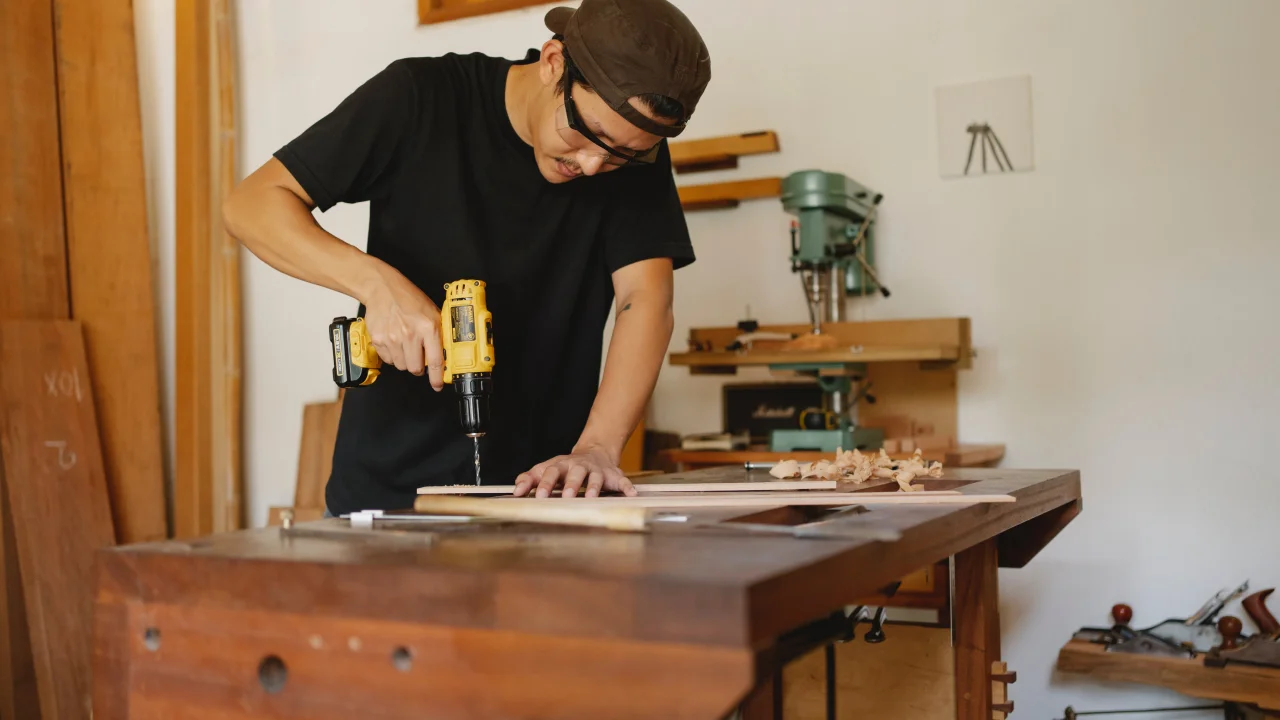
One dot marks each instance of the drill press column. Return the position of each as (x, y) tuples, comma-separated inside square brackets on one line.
[(832, 249)]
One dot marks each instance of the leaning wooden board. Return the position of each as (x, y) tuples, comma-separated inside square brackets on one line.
[(33, 269), (109, 253), (55, 483)]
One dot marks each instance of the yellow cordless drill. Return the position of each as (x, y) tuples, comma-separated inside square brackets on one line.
[(466, 334)]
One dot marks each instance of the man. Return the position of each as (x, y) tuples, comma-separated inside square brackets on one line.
[(548, 178)]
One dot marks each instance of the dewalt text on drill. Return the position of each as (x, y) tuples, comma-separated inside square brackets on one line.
[(466, 334)]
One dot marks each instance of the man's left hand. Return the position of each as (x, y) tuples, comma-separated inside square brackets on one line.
[(592, 465)]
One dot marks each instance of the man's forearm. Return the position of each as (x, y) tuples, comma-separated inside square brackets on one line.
[(641, 334), (277, 226)]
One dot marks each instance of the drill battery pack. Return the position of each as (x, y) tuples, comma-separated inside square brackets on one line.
[(355, 361)]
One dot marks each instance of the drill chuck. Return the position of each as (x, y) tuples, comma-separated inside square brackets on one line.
[(473, 401)]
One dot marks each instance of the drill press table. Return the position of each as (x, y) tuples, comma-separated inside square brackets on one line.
[(525, 621)]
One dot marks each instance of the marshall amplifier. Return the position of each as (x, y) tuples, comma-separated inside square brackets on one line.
[(759, 409)]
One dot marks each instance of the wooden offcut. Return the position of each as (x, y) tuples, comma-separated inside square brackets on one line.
[(109, 251), (720, 153), (727, 194), (55, 483)]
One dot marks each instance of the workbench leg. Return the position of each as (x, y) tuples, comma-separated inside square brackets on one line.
[(765, 701), (976, 627)]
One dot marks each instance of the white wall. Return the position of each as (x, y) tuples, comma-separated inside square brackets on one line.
[(1121, 295)]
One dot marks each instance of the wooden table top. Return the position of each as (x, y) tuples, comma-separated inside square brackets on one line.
[(674, 585)]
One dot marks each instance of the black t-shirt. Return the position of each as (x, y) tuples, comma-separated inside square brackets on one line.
[(455, 193)]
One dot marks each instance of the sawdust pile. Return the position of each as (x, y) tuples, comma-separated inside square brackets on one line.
[(853, 466)]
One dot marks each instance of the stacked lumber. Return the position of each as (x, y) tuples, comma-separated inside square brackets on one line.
[(81, 464)]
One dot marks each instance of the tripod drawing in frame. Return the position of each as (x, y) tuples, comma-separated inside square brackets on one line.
[(991, 140)]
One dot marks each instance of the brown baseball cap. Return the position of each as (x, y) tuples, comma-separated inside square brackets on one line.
[(626, 48)]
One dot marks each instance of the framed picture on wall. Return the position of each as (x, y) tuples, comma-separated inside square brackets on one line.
[(437, 11)]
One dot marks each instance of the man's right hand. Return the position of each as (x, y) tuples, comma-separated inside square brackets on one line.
[(404, 325)]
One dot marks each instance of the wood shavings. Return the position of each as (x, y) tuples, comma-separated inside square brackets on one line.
[(785, 469), (855, 467)]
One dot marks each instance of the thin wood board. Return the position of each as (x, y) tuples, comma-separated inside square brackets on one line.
[(109, 252), (770, 499), (651, 488), (57, 488)]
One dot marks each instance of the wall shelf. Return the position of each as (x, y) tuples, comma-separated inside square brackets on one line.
[(720, 153), (715, 196)]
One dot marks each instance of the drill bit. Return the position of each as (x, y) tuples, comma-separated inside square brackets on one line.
[(477, 442)]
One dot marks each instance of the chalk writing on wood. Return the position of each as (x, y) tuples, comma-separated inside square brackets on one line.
[(66, 458), (64, 383)]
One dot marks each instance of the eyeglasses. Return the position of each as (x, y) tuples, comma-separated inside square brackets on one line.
[(571, 127)]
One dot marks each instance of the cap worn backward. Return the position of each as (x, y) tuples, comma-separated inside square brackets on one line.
[(626, 48)]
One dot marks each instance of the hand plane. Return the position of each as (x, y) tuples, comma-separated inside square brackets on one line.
[(1196, 633), (1261, 650), (1120, 638)]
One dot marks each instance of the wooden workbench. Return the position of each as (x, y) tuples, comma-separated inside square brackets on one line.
[(522, 621)]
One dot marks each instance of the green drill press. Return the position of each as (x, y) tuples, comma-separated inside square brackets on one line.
[(832, 250)]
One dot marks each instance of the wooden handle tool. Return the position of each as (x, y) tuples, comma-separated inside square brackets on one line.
[(1256, 606), (549, 511)]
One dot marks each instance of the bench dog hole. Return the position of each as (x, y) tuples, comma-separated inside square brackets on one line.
[(402, 659), (272, 673), (151, 639)]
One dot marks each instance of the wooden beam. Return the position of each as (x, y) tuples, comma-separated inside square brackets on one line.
[(226, 478), (109, 252), (719, 153), (193, 466), (438, 11), (55, 483), (208, 494), (728, 194)]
